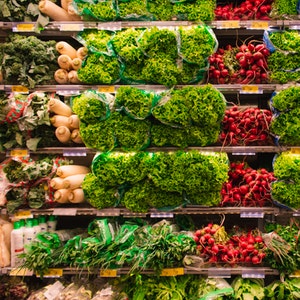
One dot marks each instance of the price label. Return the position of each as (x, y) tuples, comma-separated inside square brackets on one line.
[(172, 272), (109, 273), (24, 27), (52, 273), (295, 150), (106, 89), (20, 272), (64, 212), (23, 214), (19, 153), (250, 89), (259, 25), (19, 89), (161, 215), (228, 24), (71, 27), (295, 274), (252, 214), (253, 274)]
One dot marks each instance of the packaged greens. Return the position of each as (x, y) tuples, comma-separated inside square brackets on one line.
[(98, 194), (135, 102), (96, 40), (117, 168), (197, 43), (284, 9), (99, 68), (99, 10), (92, 106), (134, 10), (162, 10), (286, 99)]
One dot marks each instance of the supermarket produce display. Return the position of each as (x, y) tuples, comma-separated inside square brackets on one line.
[(149, 150)]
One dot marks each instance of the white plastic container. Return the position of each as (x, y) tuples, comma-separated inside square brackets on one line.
[(51, 223), (43, 224), (17, 244), (29, 233)]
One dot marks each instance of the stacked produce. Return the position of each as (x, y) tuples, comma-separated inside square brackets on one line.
[(67, 184), (218, 247), (135, 118), (65, 122), (282, 9), (283, 62), (25, 181), (69, 61), (244, 64), (143, 180), (286, 189), (5, 242), (166, 56), (141, 10), (28, 60), (244, 10), (247, 187), (246, 126), (284, 124)]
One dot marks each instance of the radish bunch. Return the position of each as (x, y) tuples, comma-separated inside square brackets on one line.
[(246, 10), (245, 126), (246, 64), (247, 187), (239, 248)]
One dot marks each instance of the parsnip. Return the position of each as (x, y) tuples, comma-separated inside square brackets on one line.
[(63, 134), (76, 196), (73, 181), (59, 120), (63, 47), (75, 136), (82, 52), (61, 76), (56, 183), (68, 170), (65, 62), (76, 63), (62, 195), (59, 107), (73, 122), (73, 77), (54, 11)]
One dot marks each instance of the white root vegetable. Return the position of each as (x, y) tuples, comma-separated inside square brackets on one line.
[(76, 63), (63, 47), (73, 122), (82, 52), (54, 11), (59, 107), (76, 196), (63, 134), (68, 170), (65, 3), (65, 62), (6, 228), (73, 77), (56, 183), (75, 136), (62, 195), (72, 12), (59, 120), (61, 76), (73, 181)]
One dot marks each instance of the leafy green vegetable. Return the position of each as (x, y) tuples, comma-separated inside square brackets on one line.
[(135, 102), (248, 288), (286, 127), (98, 195), (279, 61), (99, 68), (117, 168), (91, 106), (284, 8), (286, 289), (102, 10), (161, 9), (197, 43), (286, 166), (286, 40), (133, 10), (28, 60), (286, 99)]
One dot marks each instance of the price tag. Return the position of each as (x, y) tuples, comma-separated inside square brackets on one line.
[(252, 214), (219, 273), (71, 27), (228, 24), (74, 152), (172, 272), (20, 272), (295, 150), (24, 27), (264, 25), (23, 214), (161, 215), (109, 273), (52, 273), (64, 212), (19, 152), (250, 89), (19, 89), (253, 274), (106, 89)]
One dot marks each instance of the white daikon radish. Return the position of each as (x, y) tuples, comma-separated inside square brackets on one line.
[(61, 76), (73, 181), (75, 136), (65, 62), (63, 47), (56, 183), (63, 134), (59, 107), (59, 120), (73, 122), (62, 195), (54, 11), (73, 77), (68, 170), (76, 196)]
